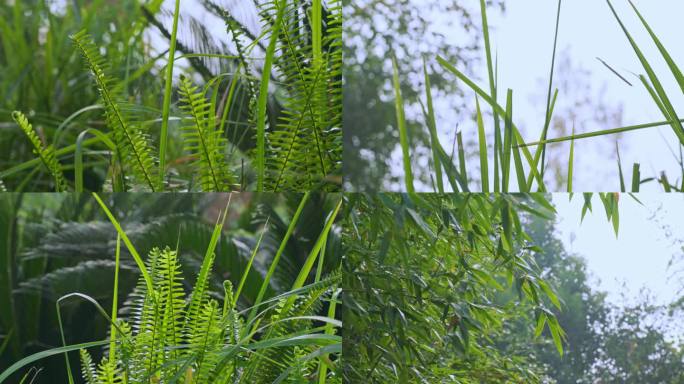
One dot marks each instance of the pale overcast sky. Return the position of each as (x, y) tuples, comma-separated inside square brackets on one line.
[(524, 37), (650, 235)]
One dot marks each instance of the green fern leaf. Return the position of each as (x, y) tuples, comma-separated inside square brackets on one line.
[(131, 141), (304, 147), (46, 154), (88, 368), (267, 367), (205, 339), (203, 140)]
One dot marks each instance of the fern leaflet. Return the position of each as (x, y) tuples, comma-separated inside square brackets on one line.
[(46, 154), (130, 139), (203, 140)]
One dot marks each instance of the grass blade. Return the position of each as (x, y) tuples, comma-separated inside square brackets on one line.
[(605, 132), (616, 73), (549, 108), (660, 91), (166, 108), (621, 175), (571, 161), (401, 122), (463, 168), (519, 169), (45, 354), (115, 301), (457, 181), (666, 55), (636, 178), (260, 163), (492, 90), (250, 262), (274, 263), (136, 256), (534, 174), (508, 133), (432, 125)]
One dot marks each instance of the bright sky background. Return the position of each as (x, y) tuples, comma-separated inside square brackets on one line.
[(524, 37), (649, 236)]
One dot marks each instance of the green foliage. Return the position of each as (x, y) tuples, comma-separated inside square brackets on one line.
[(167, 341), (45, 153), (296, 114), (42, 76), (526, 158), (56, 244), (306, 139), (629, 343), (131, 141), (203, 140), (421, 276)]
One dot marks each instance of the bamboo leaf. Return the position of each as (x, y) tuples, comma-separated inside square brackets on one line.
[(401, 123), (484, 167), (432, 125)]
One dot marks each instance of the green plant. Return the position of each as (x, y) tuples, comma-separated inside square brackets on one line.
[(293, 120), (46, 154), (422, 278), (511, 153), (200, 340), (68, 248)]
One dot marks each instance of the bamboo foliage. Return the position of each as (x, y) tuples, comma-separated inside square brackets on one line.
[(428, 280), (511, 152)]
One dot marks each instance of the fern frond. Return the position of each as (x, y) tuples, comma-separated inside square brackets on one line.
[(203, 140), (199, 293), (146, 348), (267, 367), (108, 373), (304, 147), (46, 154), (131, 141), (172, 301), (88, 368), (162, 348), (205, 339)]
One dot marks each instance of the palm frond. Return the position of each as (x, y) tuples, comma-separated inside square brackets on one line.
[(91, 276)]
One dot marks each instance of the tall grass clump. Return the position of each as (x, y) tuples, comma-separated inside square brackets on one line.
[(518, 164)]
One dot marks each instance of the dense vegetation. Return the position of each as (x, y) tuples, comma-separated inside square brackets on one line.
[(258, 111), (471, 288), (250, 299)]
